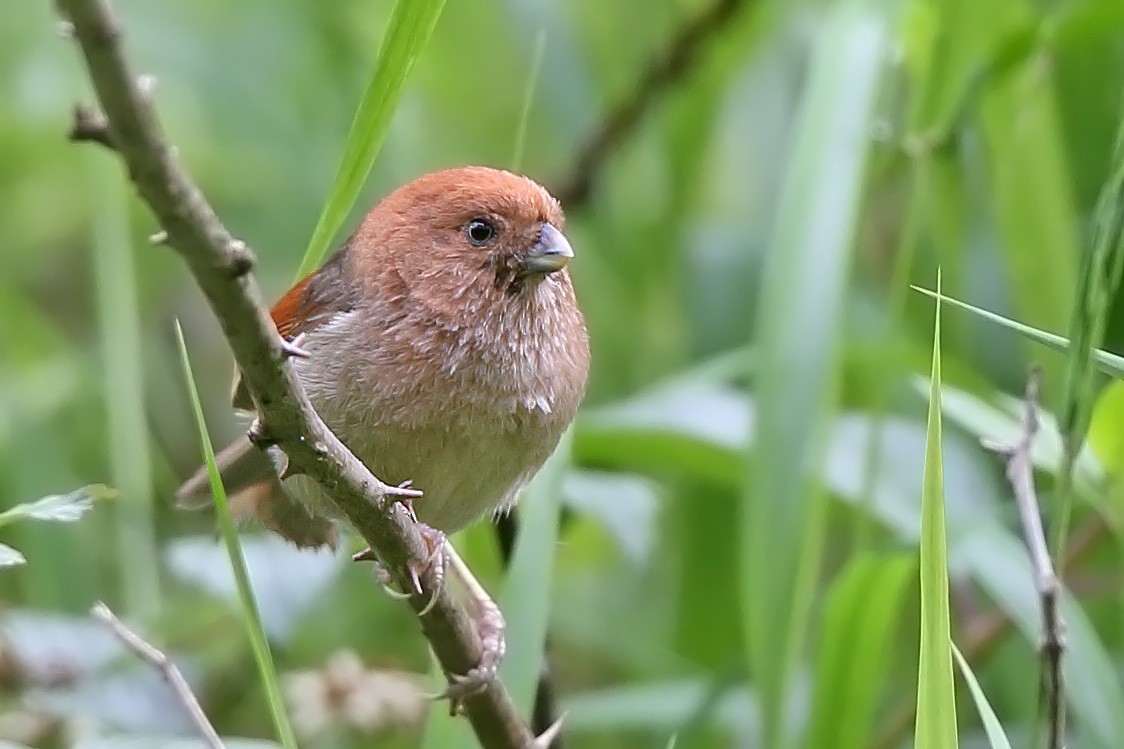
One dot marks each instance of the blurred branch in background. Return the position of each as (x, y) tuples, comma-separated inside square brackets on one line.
[(221, 266), (1020, 472), (167, 670), (671, 66)]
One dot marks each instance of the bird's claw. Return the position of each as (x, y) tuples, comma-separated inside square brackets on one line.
[(490, 626), (435, 543)]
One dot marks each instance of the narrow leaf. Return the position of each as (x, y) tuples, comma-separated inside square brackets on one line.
[(411, 24), (995, 733), (1108, 363), (797, 338), (859, 617), (936, 697), (267, 673)]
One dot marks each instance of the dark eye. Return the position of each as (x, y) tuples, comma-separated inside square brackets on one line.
[(480, 231)]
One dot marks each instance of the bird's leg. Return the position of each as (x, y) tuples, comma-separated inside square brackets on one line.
[(435, 544), (490, 627)]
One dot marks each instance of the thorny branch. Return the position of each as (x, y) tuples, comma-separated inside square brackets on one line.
[(222, 267), (1020, 473), (167, 670)]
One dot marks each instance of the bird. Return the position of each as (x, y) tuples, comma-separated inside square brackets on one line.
[(443, 343)]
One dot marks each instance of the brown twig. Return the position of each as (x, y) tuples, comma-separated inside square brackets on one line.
[(984, 633), (221, 266), (1020, 473), (167, 670), (668, 68)]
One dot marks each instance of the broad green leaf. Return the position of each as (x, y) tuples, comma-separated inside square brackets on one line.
[(936, 695), (860, 615), (287, 582), (995, 733), (9, 557), (411, 24), (1028, 173), (259, 643), (698, 429), (59, 508), (1106, 429), (168, 742), (659, 706), (797, 338)]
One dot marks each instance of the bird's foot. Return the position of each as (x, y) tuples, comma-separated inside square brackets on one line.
[(435, 543), (490, 627)]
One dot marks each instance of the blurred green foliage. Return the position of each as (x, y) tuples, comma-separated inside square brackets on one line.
[(743, 263)]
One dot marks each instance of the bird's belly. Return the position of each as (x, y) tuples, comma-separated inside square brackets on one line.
[(464, 471), (463, 474)]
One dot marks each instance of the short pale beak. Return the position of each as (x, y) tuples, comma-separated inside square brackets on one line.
[(551, 253)]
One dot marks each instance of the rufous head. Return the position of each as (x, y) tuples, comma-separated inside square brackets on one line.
[(460, 228)]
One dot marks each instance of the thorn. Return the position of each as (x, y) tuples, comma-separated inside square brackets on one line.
[(240, 260), (547, 737), (258, 434), (404, 492), (158, 238), (293, 348), (367, 555), (89, 125)]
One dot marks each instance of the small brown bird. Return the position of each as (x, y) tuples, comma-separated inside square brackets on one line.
[(445, 348)]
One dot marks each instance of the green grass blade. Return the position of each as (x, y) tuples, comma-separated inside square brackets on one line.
[(995, 733), (528, 100), (1097, 285), (123, 382), (936, 696), (797, 337), (254, 629), (525, 598), (1108, 363), (411, 24), (859, 617)]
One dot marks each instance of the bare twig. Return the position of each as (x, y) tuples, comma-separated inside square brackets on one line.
[(167, 670), (984, 633), (221, 266), (668, 68), (1020, 473)]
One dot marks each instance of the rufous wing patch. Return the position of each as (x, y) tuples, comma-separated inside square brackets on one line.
[(313, 301)]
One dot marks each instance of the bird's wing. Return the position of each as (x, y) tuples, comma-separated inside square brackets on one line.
[(314, 301)]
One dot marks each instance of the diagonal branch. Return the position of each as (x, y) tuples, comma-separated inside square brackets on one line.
[(167, 670), (669, 67), (1020, 473), (222, 267)]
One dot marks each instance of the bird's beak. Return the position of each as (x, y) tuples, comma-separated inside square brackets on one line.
[(551, 253)]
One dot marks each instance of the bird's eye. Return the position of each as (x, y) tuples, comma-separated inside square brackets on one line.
[(480, 231)]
